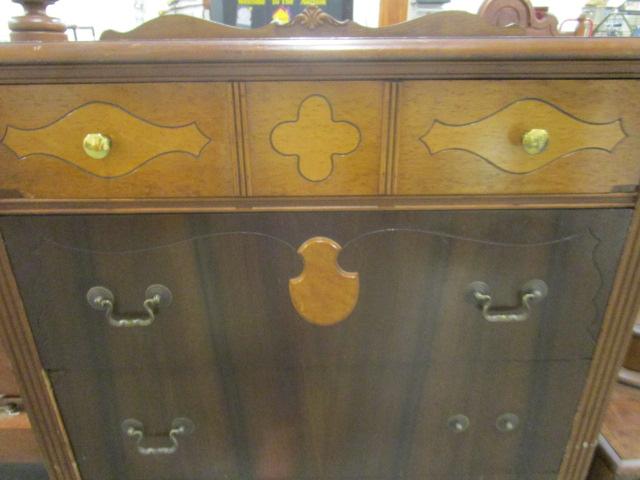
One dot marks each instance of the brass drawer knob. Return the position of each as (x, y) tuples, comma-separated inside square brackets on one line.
[(535, 141), (96, 145)]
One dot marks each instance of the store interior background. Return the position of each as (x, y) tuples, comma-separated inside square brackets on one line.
[(124, 15)]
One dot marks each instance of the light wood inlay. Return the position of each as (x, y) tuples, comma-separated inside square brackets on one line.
[(127, 153), (168, 140), (315, 138), (593, 126), (497, 138), (323, 294)]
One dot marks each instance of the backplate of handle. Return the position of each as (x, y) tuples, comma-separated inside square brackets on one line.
[(134, 429), (156, 296), (531, 292)]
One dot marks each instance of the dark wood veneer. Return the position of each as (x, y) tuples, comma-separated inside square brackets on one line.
[(272, 394)]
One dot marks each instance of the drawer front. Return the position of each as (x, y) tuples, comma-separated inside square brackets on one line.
[(157, 140), (230, 277), (279, 389), (315, 138), (338, 420), (503, 137)]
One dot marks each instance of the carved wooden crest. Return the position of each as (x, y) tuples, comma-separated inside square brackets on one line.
[(314, 22)]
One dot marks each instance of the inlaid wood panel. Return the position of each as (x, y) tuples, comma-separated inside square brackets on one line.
[(323, 294), (167, 140), (237, 268), (468, 138), (315, 138), (273, 395)]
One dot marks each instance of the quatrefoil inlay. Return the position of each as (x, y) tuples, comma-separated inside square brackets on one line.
[(315, 138)]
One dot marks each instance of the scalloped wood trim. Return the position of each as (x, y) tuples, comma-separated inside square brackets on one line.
[(313, 22), (500, 13)]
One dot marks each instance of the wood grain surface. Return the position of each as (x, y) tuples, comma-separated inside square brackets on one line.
[(18, 442), (323, 294), (146, 162), (621, 430), (488, 158), (273, 395), (342, 129), (134, 141)]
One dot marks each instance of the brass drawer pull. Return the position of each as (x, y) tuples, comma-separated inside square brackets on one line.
[(533, 291), (96, 145), (101, 298), (133, 428)]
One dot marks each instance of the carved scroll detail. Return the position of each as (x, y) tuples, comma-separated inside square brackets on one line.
[(502, 13), (134, 141), (315, 138), (498, 138), (323, 294), (313, 17)]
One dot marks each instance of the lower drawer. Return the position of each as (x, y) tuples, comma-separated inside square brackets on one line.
[(333, 421), (315, 345)]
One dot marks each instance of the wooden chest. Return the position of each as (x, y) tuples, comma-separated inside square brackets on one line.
[(329, 258)]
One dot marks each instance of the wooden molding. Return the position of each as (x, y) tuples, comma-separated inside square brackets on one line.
[(20, 206), (619, 319), (313, 22), (323, 294), (501, 13), (34, 382)]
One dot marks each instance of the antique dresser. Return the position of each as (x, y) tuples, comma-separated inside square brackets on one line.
[(318, 251)]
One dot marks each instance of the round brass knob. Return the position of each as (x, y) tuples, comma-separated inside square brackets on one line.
[(535, 141), (96, 145)]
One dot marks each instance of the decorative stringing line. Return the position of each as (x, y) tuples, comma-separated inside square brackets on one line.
[(300, 160), (121, 109), (436, 122)]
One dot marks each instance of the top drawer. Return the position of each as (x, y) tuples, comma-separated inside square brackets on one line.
[(319, 138), (166, 140), (507, 137)]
